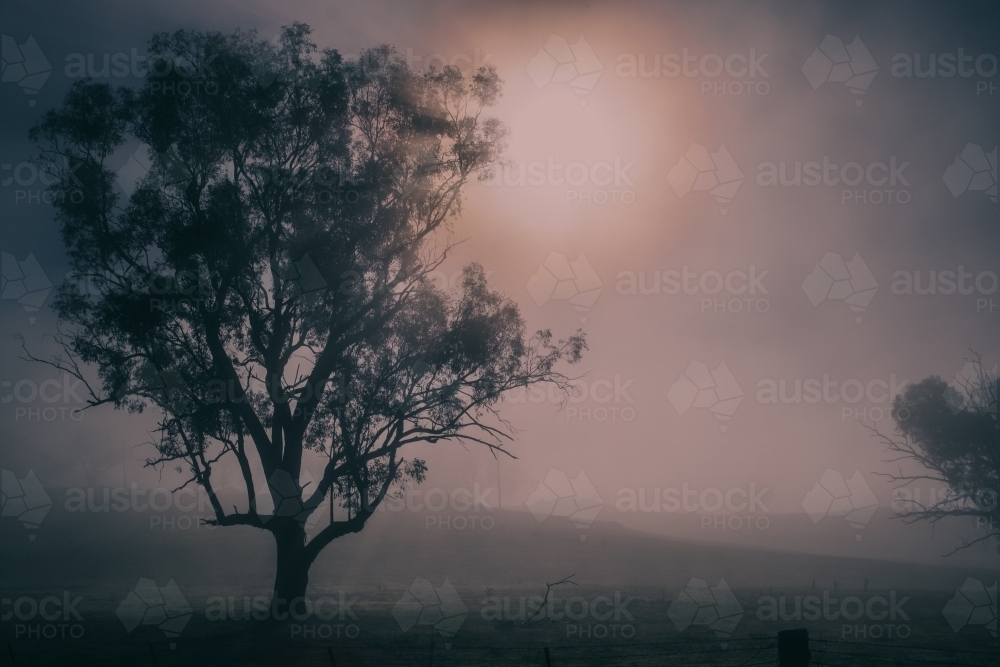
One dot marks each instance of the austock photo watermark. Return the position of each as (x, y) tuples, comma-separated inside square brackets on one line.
[(460, 509), (854, 283), (55, 616), (191, 74), (876, 182), (308, 618), (28, 283), (857, 399), (738, 74), (467, 64), (978, 287), (57, 399), (720, 392), (861, 617), (979, 67), (586, 399), (739, 508), (186, 509), (743, 72), (595, 617), (30, 68), (744, 291), (739, 291), (859, 182), (321, 186), (32, 181), (592, 182)]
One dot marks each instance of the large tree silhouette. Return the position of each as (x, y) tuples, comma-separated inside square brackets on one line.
[(266, 282), (952, 435)]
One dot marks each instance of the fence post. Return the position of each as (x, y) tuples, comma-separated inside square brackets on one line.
[(793, 648), (430, 661), (10, 649), (548, 658)]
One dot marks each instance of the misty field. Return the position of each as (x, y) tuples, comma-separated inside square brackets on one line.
[(647, 638), (631, 605)]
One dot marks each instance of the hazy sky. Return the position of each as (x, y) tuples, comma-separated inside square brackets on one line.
[(632, 140)]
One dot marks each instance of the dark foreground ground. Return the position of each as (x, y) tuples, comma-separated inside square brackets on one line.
[(370, 635), (61, 598)]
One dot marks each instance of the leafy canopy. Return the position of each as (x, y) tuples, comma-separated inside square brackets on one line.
[(266, 284)]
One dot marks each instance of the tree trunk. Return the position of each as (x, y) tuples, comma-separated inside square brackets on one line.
[(292, 571)]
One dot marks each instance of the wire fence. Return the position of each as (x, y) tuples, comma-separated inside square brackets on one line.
[(742, 652)]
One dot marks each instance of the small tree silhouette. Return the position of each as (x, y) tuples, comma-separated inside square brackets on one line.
[(953, 436), (266, 285)]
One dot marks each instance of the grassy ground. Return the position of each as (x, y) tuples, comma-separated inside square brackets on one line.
[(373, 637), (99, 559)]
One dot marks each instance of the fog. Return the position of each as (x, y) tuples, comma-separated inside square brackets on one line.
[(677, 279)]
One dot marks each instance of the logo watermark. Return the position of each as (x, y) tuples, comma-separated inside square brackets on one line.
[(835, 496), (974, 170), (558, 61), (833, 61), (704, 388), (833, 279), (148, 604), (701, 171), (558, 495), (973, 604), (24, 499), (560, 279), (25, 65), (24, 282), (715, 607), (425, 604)]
